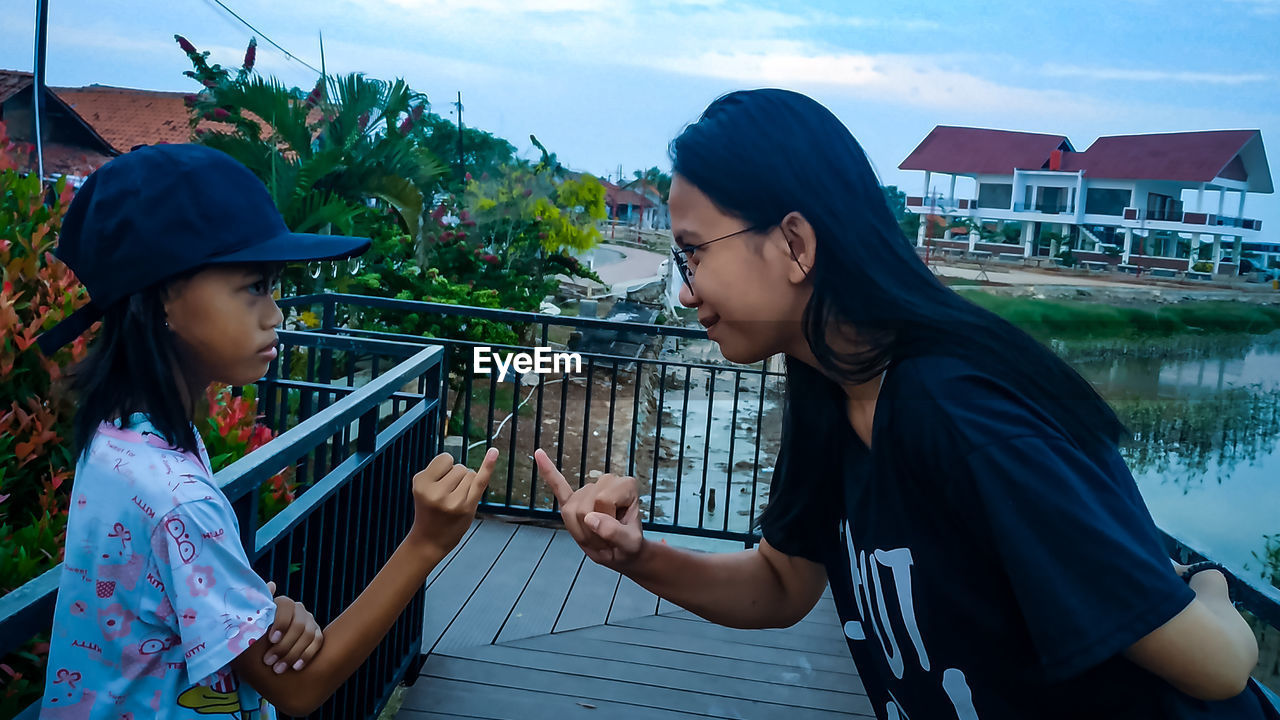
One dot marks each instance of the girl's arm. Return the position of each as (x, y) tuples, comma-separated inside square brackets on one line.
[(752, 589), (445, 498), (1207, 651)]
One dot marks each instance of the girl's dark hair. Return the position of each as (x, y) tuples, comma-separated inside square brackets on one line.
[(762, 154), (131, 369)]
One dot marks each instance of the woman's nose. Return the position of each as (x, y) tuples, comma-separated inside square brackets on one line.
[(688, 297)]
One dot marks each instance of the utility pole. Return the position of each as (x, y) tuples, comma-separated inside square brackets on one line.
[(462, 168), (38, 84)]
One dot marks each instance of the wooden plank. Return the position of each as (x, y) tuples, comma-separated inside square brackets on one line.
[(456, 584), (825, 612), (599, 691), (632, 601), (586, 643), (452, 553), (484, 614), (589, 600), (720, 648), (666, 606), (543, 598), (807, 628), (724, 686), (495, 702), (834, 645)]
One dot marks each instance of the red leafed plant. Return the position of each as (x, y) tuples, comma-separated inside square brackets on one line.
[(36, 292), (232, 431)]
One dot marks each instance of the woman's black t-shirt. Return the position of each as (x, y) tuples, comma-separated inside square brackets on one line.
[(984, 567)]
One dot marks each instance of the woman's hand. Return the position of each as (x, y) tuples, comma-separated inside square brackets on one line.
[(603, 516)]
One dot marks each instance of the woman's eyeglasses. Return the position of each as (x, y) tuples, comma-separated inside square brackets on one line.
[(682, 254)]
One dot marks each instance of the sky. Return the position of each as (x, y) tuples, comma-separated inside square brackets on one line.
[(607, 85)]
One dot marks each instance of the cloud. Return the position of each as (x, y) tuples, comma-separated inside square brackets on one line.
[(1136, 75), (1260, 7), (905, 79)]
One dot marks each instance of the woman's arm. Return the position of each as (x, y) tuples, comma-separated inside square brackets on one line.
[(751, 589), (760, 588), (1207, 651)]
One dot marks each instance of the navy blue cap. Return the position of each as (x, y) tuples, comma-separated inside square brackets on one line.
[(162, 210)]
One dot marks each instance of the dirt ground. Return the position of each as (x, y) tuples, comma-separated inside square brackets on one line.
[(579, 438)]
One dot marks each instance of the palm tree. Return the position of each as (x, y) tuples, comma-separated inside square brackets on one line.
[(656, 179), (328, 158)]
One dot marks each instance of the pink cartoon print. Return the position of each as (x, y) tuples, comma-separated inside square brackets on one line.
[(182, 545), (200, 580), (67, 699), (164, 610), (118, 564), (115, 620), (243, 629), (147, 658)]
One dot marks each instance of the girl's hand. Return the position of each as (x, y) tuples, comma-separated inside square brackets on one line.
[(295, 636), (445, 496)]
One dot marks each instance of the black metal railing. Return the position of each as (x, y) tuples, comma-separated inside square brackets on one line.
[(663, 432), (354, 450), (694, 434)]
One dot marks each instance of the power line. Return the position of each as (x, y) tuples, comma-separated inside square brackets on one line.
[(277, 45)]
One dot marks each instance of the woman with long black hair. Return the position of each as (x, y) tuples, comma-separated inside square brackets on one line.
[(956, 483)]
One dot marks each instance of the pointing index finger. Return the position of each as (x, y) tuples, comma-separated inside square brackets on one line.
[(552, 476)]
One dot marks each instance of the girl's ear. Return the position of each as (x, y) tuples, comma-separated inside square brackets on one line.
[(171, 294), (802, 245)]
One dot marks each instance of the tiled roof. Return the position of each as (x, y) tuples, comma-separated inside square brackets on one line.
[(13, 82), (127, 118), (622, 196), (1179, 157), (1183, 156), (979, 151), (62, 159)]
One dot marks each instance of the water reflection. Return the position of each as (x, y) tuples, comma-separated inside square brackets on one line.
[(1205, 417), (1182, 438)]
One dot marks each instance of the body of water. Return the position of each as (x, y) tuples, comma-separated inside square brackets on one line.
[(1205, 412), (1206, 452)]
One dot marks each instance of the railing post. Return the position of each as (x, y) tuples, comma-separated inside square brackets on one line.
[(328, 324), (367, 432), (246, 509)]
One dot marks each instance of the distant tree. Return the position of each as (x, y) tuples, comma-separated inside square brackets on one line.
[(483, 153), (656, 179)]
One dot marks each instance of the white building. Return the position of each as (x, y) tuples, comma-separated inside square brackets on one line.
[(1165, 200)]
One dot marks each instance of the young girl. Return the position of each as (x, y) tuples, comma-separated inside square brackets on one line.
[(957, 485), (159, 608)]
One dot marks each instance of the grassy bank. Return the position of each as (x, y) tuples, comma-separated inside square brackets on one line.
[(1057, 319)]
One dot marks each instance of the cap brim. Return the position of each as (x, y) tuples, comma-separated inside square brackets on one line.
[(71, 327), (297, 247)]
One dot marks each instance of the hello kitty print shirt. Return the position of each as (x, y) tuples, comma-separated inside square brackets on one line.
[(157, 595)]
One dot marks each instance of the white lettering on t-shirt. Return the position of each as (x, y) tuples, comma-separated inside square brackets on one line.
[(957, 689), (900, 561), (868, 590)]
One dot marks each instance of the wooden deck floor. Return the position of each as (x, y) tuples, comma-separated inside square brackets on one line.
[(521, 625)]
